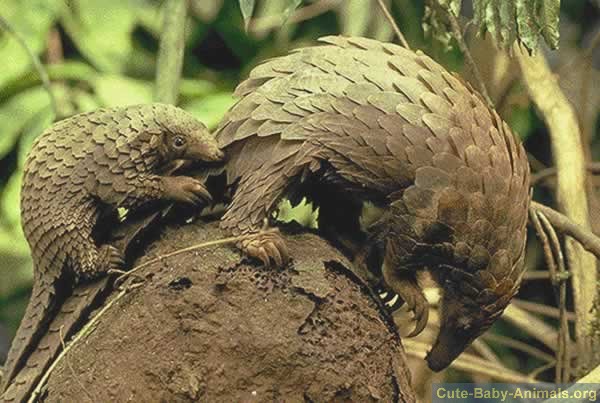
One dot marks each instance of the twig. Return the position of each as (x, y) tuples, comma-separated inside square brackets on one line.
[(531, 325), (566, 226), (37, 64), (68, 363), (160, 258), (536, 275), (84, 332), (559, 281), (467, 54), (94, 320), (520, 346), (568, 155), (591, 167), (539, 370), (541, 309), (395, 27), (486, 352), (267, 23), (546, 247), (469, 362), (170, 52)]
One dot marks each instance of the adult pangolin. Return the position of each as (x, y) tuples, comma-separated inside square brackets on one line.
[(374, 121), (82, 168)]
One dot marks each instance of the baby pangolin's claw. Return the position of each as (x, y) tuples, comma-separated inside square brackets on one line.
[(268, 246)]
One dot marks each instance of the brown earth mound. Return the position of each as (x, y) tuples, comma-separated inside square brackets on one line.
[(209, 325)]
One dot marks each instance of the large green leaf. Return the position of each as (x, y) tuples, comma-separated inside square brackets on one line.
[(9, 201), (16, 112), (115, 90), (291, 6), (102, 30), (36, 125), (210, 110), (16, 268), (31, 19)]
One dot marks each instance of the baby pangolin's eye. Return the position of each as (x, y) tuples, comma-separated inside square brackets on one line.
[(178, 141)]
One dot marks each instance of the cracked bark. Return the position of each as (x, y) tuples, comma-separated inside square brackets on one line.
[(210, 325)]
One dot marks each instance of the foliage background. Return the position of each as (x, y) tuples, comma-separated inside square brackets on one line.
[(103, 53)]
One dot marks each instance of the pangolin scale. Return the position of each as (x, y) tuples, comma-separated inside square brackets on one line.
[(79, 170), (382, 123)]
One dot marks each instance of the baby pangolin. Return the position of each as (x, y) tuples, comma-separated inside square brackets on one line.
[(82, 168), (378, 122)]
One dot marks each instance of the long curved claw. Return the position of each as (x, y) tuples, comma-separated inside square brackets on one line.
[(273, 252), (203, 192), (420, 308), (405, 285), (268, 246), (110, 258)]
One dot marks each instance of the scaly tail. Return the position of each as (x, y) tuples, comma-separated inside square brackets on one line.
[(71, 313), (30, 330)]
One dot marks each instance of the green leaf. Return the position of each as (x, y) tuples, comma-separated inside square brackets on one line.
[(191, 88), (101, 30), (247, 8), (84, 101), (16, 112), (32, 19), (17, 268), (10, 200), (116, 90), (303, 213), (521, 121), (521, 20), (36, 125), (291, 7), (210, 110), (435, 20), (550, 12)]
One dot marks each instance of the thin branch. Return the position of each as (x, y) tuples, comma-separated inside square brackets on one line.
[(469, 59), (566, 226), (531, 325), (591, 167), (559, 281), (395, 27), (160, 258), (486, 352), (37, 64), (546, 246), (520, 346), (259, 25), (541, 309), (536, 275), (84, 332), (469, 362), (170, 52), (94, 320), (539, 370)]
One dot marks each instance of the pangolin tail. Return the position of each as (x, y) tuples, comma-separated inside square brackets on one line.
[(29, 332)]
